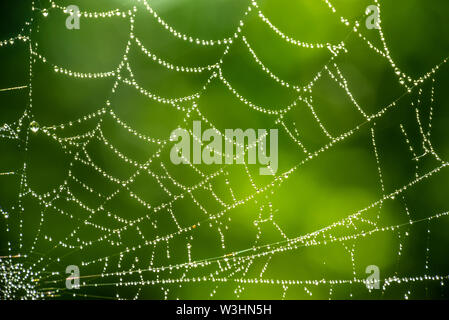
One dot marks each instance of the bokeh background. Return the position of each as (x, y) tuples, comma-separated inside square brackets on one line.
[(336, 183)]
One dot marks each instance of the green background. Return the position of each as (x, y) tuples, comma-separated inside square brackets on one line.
[(337, 183)]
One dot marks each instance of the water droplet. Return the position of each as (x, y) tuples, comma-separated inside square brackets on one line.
[(34, 126)]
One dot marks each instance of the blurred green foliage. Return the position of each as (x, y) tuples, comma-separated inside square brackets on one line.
[(338, 182)]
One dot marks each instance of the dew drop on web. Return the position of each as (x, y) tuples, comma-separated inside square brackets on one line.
[(34, 127)]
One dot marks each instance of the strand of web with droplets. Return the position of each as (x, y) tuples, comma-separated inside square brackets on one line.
[(383, 112), (241, 259)]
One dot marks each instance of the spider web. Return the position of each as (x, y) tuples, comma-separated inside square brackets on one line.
[(155, 230)]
